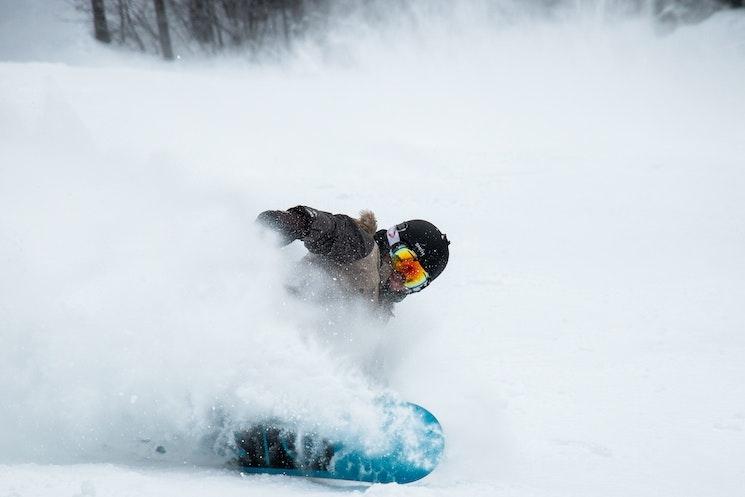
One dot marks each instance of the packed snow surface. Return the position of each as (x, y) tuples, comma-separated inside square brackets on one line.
[(586, 338)]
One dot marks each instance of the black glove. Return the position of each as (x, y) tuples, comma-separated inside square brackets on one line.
[(292, 224)]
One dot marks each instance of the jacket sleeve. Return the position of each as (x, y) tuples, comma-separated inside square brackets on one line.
[(336, 236)]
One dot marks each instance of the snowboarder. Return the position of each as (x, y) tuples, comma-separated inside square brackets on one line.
[(381, 266)]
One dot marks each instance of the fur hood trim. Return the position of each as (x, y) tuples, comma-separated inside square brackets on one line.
[(368, 222)]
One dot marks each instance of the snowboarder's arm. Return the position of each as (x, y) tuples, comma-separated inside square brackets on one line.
[(336, 236)]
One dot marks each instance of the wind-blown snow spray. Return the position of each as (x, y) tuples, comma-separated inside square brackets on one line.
[(588, 170), (143, 318)]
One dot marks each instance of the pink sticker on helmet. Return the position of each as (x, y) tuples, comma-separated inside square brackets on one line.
[(393, 237)]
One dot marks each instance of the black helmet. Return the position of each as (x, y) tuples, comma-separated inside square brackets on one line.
[(423, 237)]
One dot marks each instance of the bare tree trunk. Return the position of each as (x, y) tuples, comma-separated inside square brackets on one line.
[(122, 22), (285, 24), (216, 26), (99, 21), (163, 34)]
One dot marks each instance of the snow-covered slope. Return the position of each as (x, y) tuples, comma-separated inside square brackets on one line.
[(586, 338)]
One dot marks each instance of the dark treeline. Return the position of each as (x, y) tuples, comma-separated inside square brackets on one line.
[(201, 25), (689, 11), (211, 26)]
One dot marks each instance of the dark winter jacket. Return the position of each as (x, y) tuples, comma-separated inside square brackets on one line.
[(345, 248)]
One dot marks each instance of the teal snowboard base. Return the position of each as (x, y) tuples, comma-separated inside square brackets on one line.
[(413, 446)]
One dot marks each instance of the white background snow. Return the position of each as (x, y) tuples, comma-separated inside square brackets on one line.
[(587, 338)]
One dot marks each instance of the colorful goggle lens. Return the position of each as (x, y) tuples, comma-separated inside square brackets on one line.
[(405, 263)]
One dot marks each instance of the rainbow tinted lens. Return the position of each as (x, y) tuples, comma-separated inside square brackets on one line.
[(405, 263)]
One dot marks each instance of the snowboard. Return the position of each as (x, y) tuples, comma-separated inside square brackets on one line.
[(411, 445)]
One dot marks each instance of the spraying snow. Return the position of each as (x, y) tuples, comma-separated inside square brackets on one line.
[(585, 339)]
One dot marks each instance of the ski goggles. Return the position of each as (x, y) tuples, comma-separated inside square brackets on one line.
[(405, 262)]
